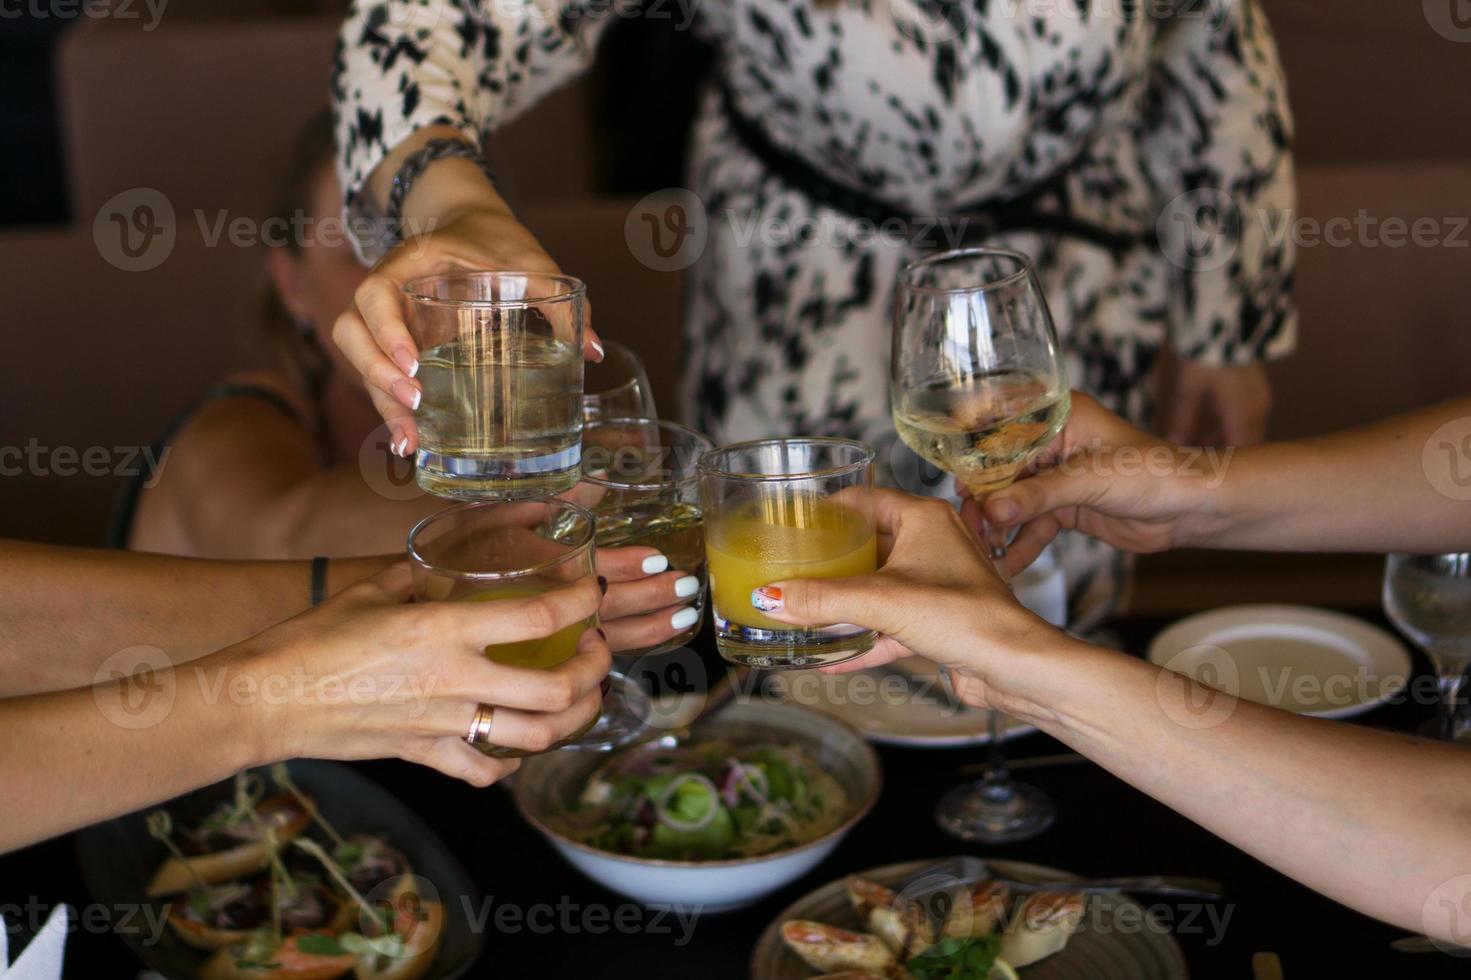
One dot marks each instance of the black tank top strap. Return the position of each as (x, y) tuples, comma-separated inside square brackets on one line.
[(120, 528)]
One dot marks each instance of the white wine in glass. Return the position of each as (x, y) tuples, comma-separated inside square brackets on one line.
[(978, 389)]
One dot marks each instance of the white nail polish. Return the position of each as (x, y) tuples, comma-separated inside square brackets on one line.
[(686, 587), (655, 564), (684, 619), (418, 396), (598, 346), (414, 370), (401, 448)]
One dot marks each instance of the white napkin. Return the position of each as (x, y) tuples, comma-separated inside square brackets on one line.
[(41, 960)]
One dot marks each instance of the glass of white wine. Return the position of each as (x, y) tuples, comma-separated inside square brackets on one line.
[(1429, 598), (978, 388)]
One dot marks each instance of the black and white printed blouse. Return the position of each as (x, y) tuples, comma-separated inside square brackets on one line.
[(1139, 150)]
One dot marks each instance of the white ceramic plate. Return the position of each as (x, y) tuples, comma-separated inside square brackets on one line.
[(1311, 661), (889, 711)]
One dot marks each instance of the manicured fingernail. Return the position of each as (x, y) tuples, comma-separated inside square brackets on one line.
[(603, 584), (654, 564), (597, 346), (686, 587), (767, 598), (684, 619), (406, 393), (401, 447), (1004, 511), (406, 361)]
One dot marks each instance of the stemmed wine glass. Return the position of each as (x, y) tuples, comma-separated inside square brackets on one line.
[(1428, 597), (978, 388)]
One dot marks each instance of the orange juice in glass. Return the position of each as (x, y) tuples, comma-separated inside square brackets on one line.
[(785, 509)]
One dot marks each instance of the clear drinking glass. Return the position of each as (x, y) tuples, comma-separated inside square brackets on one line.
[(785, 509), (645, 477), (978, 388), (617, 387), (499, 550), (1428, 597), (500, 362)]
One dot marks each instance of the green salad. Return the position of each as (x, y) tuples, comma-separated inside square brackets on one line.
[(708, 802)]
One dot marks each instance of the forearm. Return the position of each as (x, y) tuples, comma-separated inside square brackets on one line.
[(64, 611), (130, 743), (1371, 819), (1374, 489), (447, 188)]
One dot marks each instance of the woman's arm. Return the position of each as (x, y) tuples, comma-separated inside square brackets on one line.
[(64, 611), (1384, 487), (364, 676), (1371, 819), (1215, 139), (411, 73)]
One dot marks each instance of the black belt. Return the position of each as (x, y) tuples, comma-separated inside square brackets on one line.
[(976, 222)]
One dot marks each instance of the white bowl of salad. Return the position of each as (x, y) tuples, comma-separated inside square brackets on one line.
[(754, 799)]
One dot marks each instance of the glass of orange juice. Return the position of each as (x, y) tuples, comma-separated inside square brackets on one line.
[(494, 551), (785, 509)]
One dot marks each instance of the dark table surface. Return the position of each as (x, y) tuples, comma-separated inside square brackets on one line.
[(1104, 827)]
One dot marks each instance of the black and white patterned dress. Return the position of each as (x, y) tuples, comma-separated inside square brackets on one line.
[(1137, 118)]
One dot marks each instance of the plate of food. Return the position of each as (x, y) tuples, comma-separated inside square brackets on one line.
[(752, 799), (909, 922), (1311, 661), (306, 871)]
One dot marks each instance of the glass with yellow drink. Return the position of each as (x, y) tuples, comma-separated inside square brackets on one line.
[(783, 509), (505, 551)]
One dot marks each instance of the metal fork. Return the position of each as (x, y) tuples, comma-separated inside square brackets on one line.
[(969, 870)]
